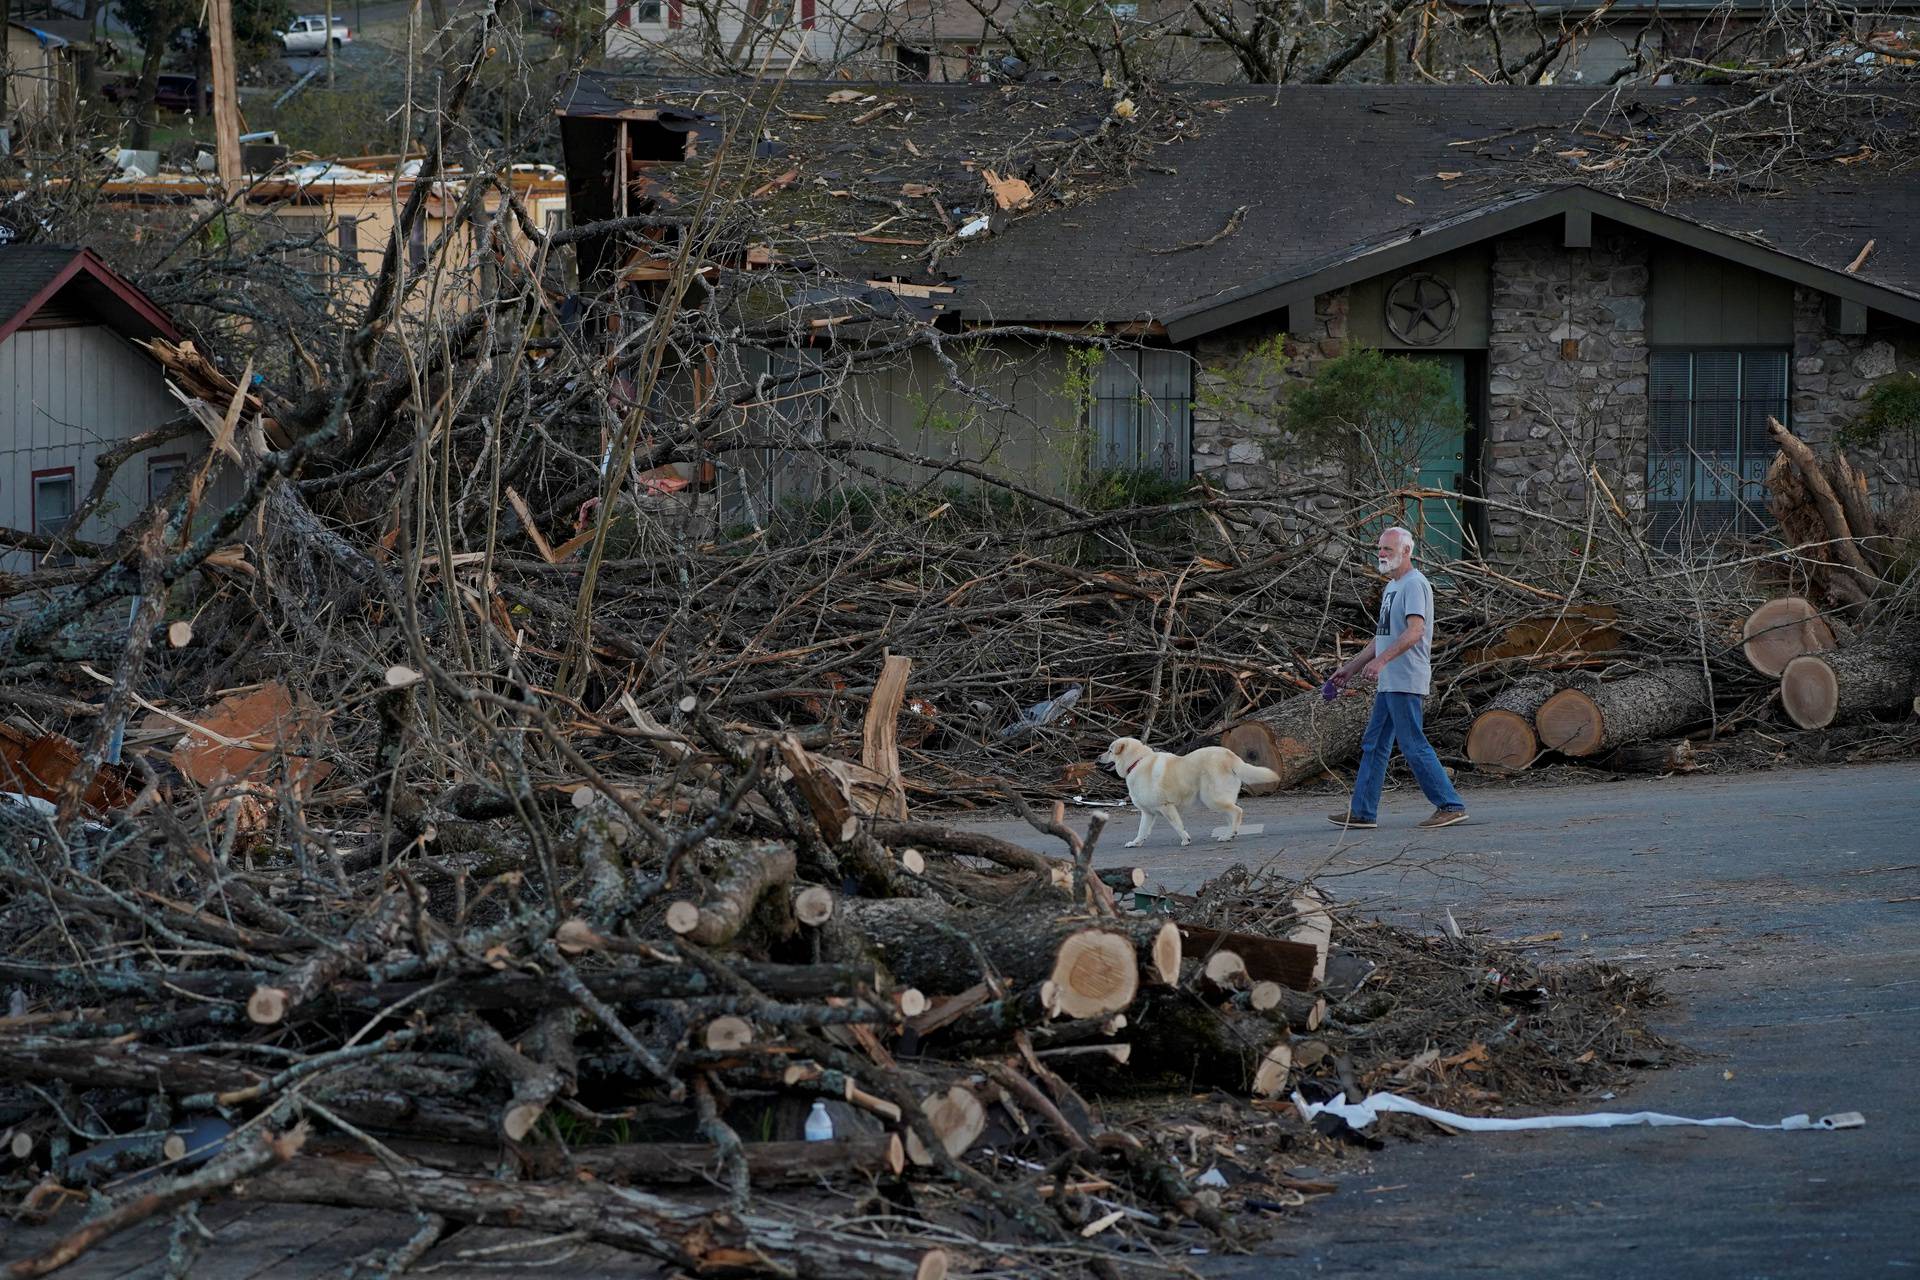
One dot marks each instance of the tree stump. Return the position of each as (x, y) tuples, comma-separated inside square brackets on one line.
[(1300, 738), (1781, 630), (1655, 704), (1502, 736), (1818, 688)]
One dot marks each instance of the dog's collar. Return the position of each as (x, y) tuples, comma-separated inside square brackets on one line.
[(1130, 768)]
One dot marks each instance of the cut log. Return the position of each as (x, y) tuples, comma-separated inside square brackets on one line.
[(813, 905), (1656, 704), (1124, 879), (750, 871), (1818, 688), (1502, 736), (1291, 964), (1181, 1038), (727, 1034), (1095, 972), (937, 949), (1301, 738), (1573, 631), (957, 1118), (1781, 630)]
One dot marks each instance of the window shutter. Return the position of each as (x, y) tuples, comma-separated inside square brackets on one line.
[(674, 15), (624, 15), (806, 15)]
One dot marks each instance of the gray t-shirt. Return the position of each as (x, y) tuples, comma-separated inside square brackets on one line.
[(1408, 596)]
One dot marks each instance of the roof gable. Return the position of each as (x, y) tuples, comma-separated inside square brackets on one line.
[(32, 275)]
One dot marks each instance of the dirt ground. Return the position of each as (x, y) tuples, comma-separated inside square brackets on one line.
[(1785, 907)]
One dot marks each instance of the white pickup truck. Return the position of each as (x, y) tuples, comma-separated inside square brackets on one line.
[(308, 34)]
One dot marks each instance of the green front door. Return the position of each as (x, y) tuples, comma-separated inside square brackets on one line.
[(1441, 463)]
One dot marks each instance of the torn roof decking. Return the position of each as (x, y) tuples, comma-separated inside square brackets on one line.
[(861, 180)]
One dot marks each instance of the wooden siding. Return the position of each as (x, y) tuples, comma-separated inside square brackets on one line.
[(1694, 300), (1467, 270), (66, 395)]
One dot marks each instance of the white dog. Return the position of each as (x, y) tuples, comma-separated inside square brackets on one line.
[(1159, 782)]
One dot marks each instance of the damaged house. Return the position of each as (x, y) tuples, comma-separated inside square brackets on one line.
[(76, 383), (1224, 247)]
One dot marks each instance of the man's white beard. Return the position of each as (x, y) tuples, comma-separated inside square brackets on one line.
[(1387, 566)]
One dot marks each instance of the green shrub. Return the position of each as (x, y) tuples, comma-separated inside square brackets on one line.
[(1891, 406)]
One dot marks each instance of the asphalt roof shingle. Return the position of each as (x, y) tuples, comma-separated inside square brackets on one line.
[(1323, 171)]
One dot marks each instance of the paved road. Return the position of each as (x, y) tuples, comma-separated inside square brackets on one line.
[(1787, 908)]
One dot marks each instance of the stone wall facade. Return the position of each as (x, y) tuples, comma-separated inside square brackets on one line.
[(1832, 374), (1567, 391), (1567, 381), (1240, 381)]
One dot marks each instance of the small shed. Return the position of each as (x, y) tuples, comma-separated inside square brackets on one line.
[(74, 383)]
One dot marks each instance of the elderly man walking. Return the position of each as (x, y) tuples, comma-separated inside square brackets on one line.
[(1400, 657)]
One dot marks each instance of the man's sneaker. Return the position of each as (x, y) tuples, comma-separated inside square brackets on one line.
[(1444, 818), (1348, 820)]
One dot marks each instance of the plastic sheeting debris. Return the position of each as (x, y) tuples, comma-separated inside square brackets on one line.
[(1362, 1114)]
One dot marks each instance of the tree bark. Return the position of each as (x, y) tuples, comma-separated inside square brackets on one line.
[(1301, 738), (1502, 736), (1176, 1035), (749, 873), (930, 946), (1818, 688), (1581, 722)]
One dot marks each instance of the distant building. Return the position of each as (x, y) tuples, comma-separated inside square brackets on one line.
[(39, 78)]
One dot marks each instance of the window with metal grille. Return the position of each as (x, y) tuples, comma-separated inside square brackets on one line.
[(1707, 445), (1143, 413)]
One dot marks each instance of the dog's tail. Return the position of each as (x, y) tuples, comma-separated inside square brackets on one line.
[(1253, 772)]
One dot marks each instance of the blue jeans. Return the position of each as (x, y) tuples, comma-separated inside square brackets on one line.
[(1396, 718)]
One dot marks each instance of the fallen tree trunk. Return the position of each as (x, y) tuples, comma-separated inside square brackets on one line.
[(1781, 630), (1818, 688), (1502, 736), (1174, 1033), (1096, 966), (1581, 721), (1295, 964), (1300, 738)]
